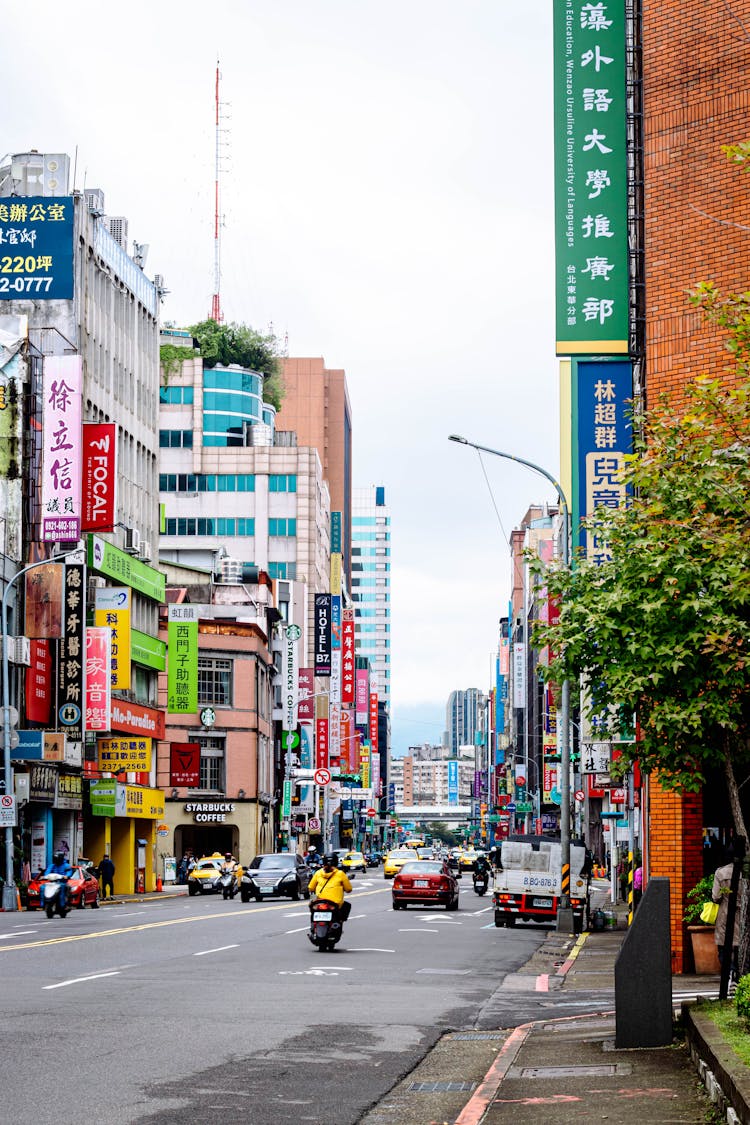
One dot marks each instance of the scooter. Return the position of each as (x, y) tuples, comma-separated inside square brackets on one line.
[(325, 926), (51, 894), (481, 881), (228, 884)]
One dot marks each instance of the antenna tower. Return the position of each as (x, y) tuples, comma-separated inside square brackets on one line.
[(216, 313)]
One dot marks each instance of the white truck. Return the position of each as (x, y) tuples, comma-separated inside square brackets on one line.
[(528, 881)]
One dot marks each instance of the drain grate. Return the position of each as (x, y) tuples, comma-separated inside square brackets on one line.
[(440, 1087), (607, 1070), (466, 1035)]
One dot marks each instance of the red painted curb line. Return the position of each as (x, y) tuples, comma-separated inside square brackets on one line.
[(480, 1100)]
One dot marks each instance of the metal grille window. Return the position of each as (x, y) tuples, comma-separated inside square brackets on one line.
[(212, 763), (214, 681)]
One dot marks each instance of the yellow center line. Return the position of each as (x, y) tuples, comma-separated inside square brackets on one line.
[(159, 925)]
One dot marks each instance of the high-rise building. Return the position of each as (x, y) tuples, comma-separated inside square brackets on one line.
[(371, 583), (316, 408), (235, 501), (463, 715)]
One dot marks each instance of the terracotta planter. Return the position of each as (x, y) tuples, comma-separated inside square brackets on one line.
[(705, 954)]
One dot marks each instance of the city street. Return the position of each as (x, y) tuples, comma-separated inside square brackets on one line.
[(201, 1010)]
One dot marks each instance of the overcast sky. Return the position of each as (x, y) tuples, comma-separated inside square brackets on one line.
[(388, 204)]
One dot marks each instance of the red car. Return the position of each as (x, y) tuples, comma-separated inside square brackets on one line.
[(83, 890), (424, 883)]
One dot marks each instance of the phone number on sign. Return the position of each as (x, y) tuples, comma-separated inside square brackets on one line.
[(26, 284)]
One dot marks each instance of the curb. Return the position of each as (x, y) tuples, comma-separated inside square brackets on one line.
[(568, 965)]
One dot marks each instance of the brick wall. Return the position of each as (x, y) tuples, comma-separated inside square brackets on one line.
[(696, 90)]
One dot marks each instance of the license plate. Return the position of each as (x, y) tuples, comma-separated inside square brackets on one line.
[(541, 902), (266, 890), (421, 882), (322, 916)]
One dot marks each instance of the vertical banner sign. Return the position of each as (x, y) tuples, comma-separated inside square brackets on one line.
[(362, 698), (373, 724), (336, 574), (306, 761), (519, 675), (591, 209), (348, 742), (39, 683), (98, 678), (182, 659), (602, 438), (322, 634), (72, 667), (453, 781), (62, 383), (38, 231), (321, 734), (334, 688), (112, 608), (292, 634), (306, 704), (44, 601), (335, 533), (347, 658), (99, 476), (364, 764), (185, 764), (12, 372)]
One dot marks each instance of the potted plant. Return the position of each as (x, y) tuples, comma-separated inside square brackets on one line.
[(705, 955)]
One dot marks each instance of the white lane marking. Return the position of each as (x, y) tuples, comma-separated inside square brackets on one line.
[(301, 930), (352, 916), (476, 913), (220, 949), (80, 980), (16, 933), (130, 914), (298, 914), (422, 931), (371, 950), (440, 921)]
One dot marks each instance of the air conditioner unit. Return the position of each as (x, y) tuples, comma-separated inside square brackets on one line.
[(19, 650), (132, 540), (145, 551)]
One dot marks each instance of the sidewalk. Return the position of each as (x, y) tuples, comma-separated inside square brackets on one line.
[(568, 1068)]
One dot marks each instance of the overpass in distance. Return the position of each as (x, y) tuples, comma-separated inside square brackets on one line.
[(448, 814)]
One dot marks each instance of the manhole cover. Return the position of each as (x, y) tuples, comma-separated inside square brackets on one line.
[(440, 1087), (594, 1071)]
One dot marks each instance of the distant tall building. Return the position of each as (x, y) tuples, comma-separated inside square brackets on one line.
[(463, 718), (316, 407), (371, 583)]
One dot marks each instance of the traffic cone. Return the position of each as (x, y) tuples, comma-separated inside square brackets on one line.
[(18, 898), (158, 883)]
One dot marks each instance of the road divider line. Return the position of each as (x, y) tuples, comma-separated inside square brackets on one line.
[(119, 930), (219, 949), (79, 980)]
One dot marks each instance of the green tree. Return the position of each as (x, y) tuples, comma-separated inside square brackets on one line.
[(662, 628), (439, 830), (238, 343)]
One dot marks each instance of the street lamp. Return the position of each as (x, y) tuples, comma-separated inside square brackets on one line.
[(9, 899), (564, 913)]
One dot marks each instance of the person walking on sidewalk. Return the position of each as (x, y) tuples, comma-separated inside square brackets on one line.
[(107, 873)]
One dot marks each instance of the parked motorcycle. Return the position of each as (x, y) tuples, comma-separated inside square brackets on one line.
[(481, 880), (52, 895), (325, 926), (228, 884)]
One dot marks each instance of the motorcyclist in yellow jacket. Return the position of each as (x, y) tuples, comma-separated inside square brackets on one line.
[(331, 884)]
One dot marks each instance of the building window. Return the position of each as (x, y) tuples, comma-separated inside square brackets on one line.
[(176, 439), (212, 763), (199, 525), (214, 681), (286, 570), (180, 396), (283, 528), (282, 482)]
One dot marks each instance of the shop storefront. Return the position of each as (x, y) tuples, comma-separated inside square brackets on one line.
[(124, 826), (213, 825)]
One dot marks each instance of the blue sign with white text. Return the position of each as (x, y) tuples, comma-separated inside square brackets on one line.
[(36, 248)]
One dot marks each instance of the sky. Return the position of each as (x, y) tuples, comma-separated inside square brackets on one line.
[(387, 204)]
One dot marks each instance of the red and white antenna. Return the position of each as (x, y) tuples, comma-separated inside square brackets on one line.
[(216, 313)]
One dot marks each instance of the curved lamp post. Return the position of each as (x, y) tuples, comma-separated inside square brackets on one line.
[(564, 913)]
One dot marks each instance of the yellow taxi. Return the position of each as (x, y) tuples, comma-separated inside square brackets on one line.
[(396, 859), (466, 859), (353, 861), (205, 875)]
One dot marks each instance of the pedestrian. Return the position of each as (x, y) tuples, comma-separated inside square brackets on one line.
[(637, 885), (107, 873), (720, 892), (182, 869)]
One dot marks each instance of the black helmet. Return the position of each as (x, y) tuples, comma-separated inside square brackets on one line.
[(227, 855), (58, 857), (331, 860)]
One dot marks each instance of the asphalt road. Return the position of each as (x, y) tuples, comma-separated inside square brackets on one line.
[(199, 1010)]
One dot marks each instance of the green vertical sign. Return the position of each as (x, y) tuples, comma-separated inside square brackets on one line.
[(286, 801), (182, 660), (591, 205)]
